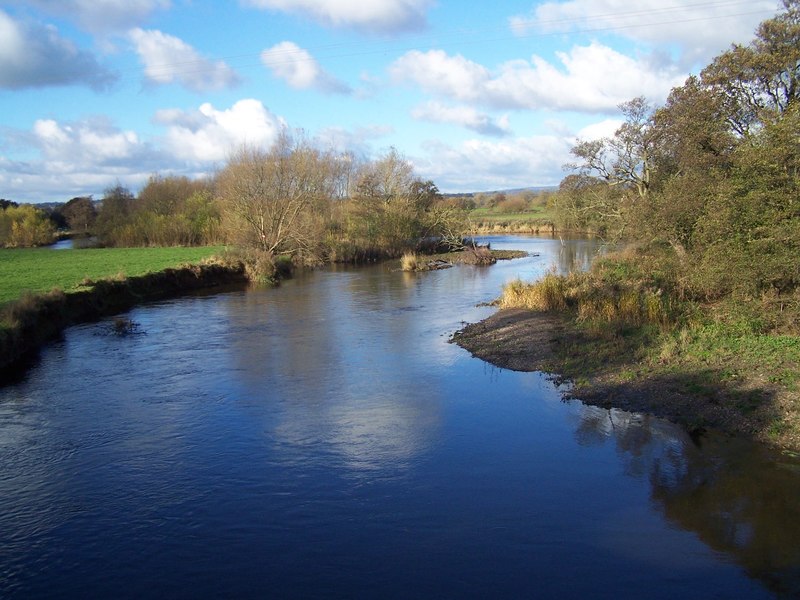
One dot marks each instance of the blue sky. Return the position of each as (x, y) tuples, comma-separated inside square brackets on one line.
[(478, 96)]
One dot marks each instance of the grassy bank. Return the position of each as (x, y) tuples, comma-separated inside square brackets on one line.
[(487, 220), (627, 336), (38, 270), (46, 290)]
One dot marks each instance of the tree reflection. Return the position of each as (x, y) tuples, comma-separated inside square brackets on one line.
[(739, 498)]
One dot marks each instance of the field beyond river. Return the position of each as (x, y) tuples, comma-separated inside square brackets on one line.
[(38, 270)]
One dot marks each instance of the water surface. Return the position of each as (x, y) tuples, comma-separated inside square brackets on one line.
[(323, 439)]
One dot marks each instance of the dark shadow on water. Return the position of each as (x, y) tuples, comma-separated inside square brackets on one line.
[(698, 398), (741, 499)]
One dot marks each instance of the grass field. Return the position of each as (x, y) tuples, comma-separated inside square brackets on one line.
[(42, 269), (488, 215)]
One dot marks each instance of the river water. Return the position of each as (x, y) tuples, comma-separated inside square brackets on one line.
[(323, 439)]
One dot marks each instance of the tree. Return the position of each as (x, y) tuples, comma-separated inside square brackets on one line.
[(763, 77), (627, 158), (267, 196), (388, 178), (80, 213), (24, 226), (587, 203), (166, 195), (114, 214)]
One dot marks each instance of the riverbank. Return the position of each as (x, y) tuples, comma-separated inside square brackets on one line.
[(514, 226), (34, 319), (733, 389)]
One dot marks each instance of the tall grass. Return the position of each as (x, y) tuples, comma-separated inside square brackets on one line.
[(410, 261), (614, 291), (549, 293)]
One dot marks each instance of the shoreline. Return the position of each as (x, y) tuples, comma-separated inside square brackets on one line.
[(525, 340), (39, 318)]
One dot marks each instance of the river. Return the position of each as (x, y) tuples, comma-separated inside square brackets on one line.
[(323, 439)]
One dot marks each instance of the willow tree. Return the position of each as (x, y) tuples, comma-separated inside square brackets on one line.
[(267, 197)]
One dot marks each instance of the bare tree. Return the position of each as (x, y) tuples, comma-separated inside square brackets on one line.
[(267, 196), (627, 158)]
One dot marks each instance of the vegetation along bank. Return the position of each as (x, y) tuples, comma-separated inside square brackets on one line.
[(699, 318), (701, 310), (45, 291)]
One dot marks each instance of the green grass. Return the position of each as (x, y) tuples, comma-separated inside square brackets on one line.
[(489, 215), (42, 269)]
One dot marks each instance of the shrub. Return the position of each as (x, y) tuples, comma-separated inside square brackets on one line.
[(409, 262), (549, 293)]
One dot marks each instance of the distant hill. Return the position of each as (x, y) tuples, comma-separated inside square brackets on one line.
[(540, 188)]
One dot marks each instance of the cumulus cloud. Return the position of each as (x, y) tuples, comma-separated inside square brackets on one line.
[(603, 129), (102, 16), (297, 67), (376, 16), (464, 116), (93, 141), (168, 59), (700, 30), (591, 78), (76, 158), (33, 55), (209, 135), (487, 165), (357, 141), (85, 157)]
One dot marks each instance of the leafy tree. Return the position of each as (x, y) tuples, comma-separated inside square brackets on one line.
[(763, 77), (114, 215), (166, 195), (79, 213), (25, 226)]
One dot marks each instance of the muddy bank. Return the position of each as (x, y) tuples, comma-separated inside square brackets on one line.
[(35, 319), (522, 340)]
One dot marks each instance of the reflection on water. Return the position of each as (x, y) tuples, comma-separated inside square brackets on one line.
[(741, 500), (324, 439)]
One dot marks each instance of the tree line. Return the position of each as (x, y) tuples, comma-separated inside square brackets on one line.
[(711, 179), (293, 200)]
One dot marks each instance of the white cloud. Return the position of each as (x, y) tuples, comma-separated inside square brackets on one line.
[(94, 141), (33, 55), (101, 16), (357, 141), (483, 165), (76, 158), (600, 130), (591, 78), (464, 116), (85, 157), (700, 30), (377, 16), (208, 134), (168, 59), (297, 67), (437, 72)]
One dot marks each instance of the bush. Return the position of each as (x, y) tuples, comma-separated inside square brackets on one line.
[(24, 227), (409, 262), (619, 289)]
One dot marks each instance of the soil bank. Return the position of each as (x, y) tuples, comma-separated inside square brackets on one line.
[(36, 319), (524, 340)]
